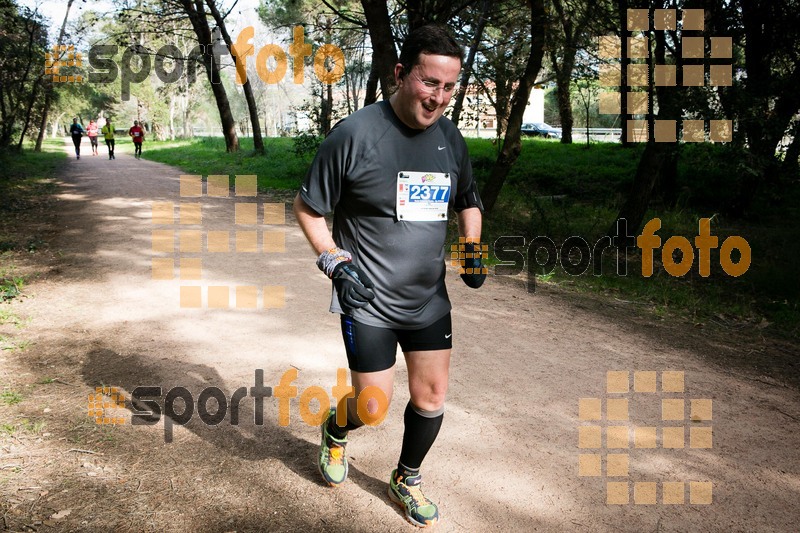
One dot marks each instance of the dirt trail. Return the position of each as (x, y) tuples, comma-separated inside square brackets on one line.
[(507, 458)]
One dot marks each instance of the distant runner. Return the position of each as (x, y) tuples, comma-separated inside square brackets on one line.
[(108, 134), (77, 131), (91, 131), (137, 133)]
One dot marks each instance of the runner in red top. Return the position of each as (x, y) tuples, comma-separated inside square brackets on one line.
[(137, 133)]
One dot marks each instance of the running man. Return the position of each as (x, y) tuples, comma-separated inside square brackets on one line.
[(138, 137), (108, 135), (391, 173), (77, 131)]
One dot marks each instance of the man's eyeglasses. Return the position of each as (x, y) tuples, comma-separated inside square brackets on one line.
[(432, 87)]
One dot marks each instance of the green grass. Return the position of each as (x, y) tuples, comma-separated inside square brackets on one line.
[(11, 287), (25, 425), (560, 191), (25, 188), (10, 397), (278, 168), (9, 316)]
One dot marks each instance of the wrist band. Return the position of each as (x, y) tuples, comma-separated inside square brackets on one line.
[(328, 260)]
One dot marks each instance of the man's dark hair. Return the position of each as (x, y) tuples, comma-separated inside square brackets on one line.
[(431, 39)]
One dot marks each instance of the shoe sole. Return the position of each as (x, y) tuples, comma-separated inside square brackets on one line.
[(396, 499)]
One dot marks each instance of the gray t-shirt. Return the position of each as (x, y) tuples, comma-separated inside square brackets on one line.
[(355, 174)]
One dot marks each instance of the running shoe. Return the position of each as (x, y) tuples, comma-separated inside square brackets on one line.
[(407, 493), (332, 460)]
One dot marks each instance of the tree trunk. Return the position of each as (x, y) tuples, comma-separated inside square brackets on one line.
[(791, 162), (54, 125), (502, 104), (513, 145), (11, 112), (670, 109), (348, 94), (647, 173), (622, 14), (48, 92), (34, 90), (563, 83), (384, 54), (371, 90), (658, 158), (258, 141), (188, 132), (28, 114), (326, 106), (467, 71), (416, 14), (757, 46), (172, 117), (563, 70), (196, 13)]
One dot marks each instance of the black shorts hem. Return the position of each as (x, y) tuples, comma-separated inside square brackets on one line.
[(373, 349)]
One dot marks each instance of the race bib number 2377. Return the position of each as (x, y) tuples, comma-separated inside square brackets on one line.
[(422, 196)]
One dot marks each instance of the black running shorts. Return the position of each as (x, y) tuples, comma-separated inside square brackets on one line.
[(372, 349)]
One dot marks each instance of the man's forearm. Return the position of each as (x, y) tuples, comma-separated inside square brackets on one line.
[(469, 223), (314, 226)]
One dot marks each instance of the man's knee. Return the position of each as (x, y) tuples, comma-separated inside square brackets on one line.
[(430, 397)]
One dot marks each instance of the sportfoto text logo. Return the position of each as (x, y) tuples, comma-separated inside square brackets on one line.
[(270, 61), (576, 255), (179, 405)]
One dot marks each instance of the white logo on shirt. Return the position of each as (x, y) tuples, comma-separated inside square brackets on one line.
[(440, 147)]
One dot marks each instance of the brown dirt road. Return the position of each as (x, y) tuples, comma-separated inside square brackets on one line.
[(507, 458)]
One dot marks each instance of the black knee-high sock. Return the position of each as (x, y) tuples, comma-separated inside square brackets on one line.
[(420, 433)]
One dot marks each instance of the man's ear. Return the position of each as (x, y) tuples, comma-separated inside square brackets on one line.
[(399, 72)]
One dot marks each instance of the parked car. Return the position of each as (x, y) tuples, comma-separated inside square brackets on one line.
[(540, 129)]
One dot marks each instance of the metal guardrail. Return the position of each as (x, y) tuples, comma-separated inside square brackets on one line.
[(598, 134), (595, 134)]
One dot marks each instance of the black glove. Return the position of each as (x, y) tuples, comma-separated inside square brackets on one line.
[(352, 286), (475, 279)]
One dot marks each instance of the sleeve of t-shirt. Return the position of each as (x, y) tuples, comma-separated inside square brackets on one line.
[(322, 185)]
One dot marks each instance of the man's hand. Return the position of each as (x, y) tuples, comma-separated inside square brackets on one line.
[(352, 286), (473, 267)]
